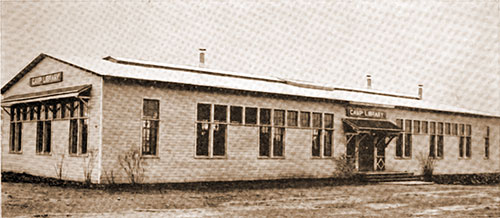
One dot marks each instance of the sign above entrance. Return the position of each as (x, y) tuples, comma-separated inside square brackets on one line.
[(46, 79), (364, 112)]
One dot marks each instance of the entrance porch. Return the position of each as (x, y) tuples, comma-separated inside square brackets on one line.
[(367, 140)]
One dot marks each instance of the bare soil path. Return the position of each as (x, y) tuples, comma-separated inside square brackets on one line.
[(378, 200)]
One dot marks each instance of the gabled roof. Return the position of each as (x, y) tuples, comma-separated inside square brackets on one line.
[(161, 72)]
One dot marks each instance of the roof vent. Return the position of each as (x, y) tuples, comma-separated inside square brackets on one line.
[(202, 57), (368, 81), (420, 91)]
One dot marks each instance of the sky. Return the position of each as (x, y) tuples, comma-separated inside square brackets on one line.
[(451, 47)]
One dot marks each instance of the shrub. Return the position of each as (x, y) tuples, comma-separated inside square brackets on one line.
[(133, 165), (468, 179), (59, 167), (344, 167), (88, 165), (426, 165)]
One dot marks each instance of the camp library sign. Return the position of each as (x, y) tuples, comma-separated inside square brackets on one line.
[(46, 79), (365, 113)]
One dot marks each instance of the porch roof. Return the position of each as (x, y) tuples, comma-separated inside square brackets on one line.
[(362, 125), (68, 92)]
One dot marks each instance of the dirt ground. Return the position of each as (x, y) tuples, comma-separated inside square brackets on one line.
[(384, 200)]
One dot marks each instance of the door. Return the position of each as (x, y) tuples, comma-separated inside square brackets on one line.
[(366, 157)]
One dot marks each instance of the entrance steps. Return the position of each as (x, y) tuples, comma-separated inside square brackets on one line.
[(389, 177)]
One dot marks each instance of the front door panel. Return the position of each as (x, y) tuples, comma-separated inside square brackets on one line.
[(366, 158)]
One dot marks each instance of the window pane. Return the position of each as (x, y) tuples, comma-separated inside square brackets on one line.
[(440, 128), (399, 146), (432, 148), (219, 140), (440, 146), (278, 144), (12, 113), (279, 117), (250, 115), (55, 111), (151, 108), (236, 114), (204, 111), (63, 110), (433, 128), (84, 109), (425, 127), (317, 118), (468, 130), (408, 145), (264, 139), (462, 129), (447, 128), (455, 129), (407, 125), (461, 147), (305, 119), (416, 126), (203, 130), (292, 117), (328, 143), (47, 136), (73, 131), (19, 136), (18, 113), (39, 136), (487, 147), (12, 136), (32, 112), (265, 116), (328, 120), (24, 112), (220, 113), (316, 143), (487, 131), (468, 147)]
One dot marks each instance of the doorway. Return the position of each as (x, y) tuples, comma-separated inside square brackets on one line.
[(366, 153)]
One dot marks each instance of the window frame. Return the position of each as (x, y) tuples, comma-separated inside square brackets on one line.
[(43, 138), (405, 138), (15, 131), (272, 129), (77, 115), (487, 143), (211, 131), (322, 134)]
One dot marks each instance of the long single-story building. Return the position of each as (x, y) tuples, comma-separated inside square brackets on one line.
[(62, 117)]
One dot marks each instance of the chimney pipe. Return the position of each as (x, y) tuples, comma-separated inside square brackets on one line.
[(202, 57), (368, 81), (420, 91)]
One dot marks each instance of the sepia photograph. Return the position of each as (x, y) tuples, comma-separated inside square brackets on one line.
[(237, 108)]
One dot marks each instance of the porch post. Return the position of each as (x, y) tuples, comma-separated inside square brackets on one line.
[(356, 155)]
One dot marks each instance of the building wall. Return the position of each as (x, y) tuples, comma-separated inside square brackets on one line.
[(122, 107), (451, 163), (45, 165), (176, 162)]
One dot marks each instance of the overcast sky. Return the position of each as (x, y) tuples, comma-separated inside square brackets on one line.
[(450, 47)]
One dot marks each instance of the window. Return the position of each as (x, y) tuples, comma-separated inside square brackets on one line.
[(436, 141), (408, 138), (305, 119), (236, 114), (78, 126), (425, 127), (211, 130), (404, 140), (322, 136), (272, 135), (454, 129), (487, 143), (447, 129), (416, 126), (464, 147), (292, 117), (16, 128), (265, 116), (43, 137), (250, 115)]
